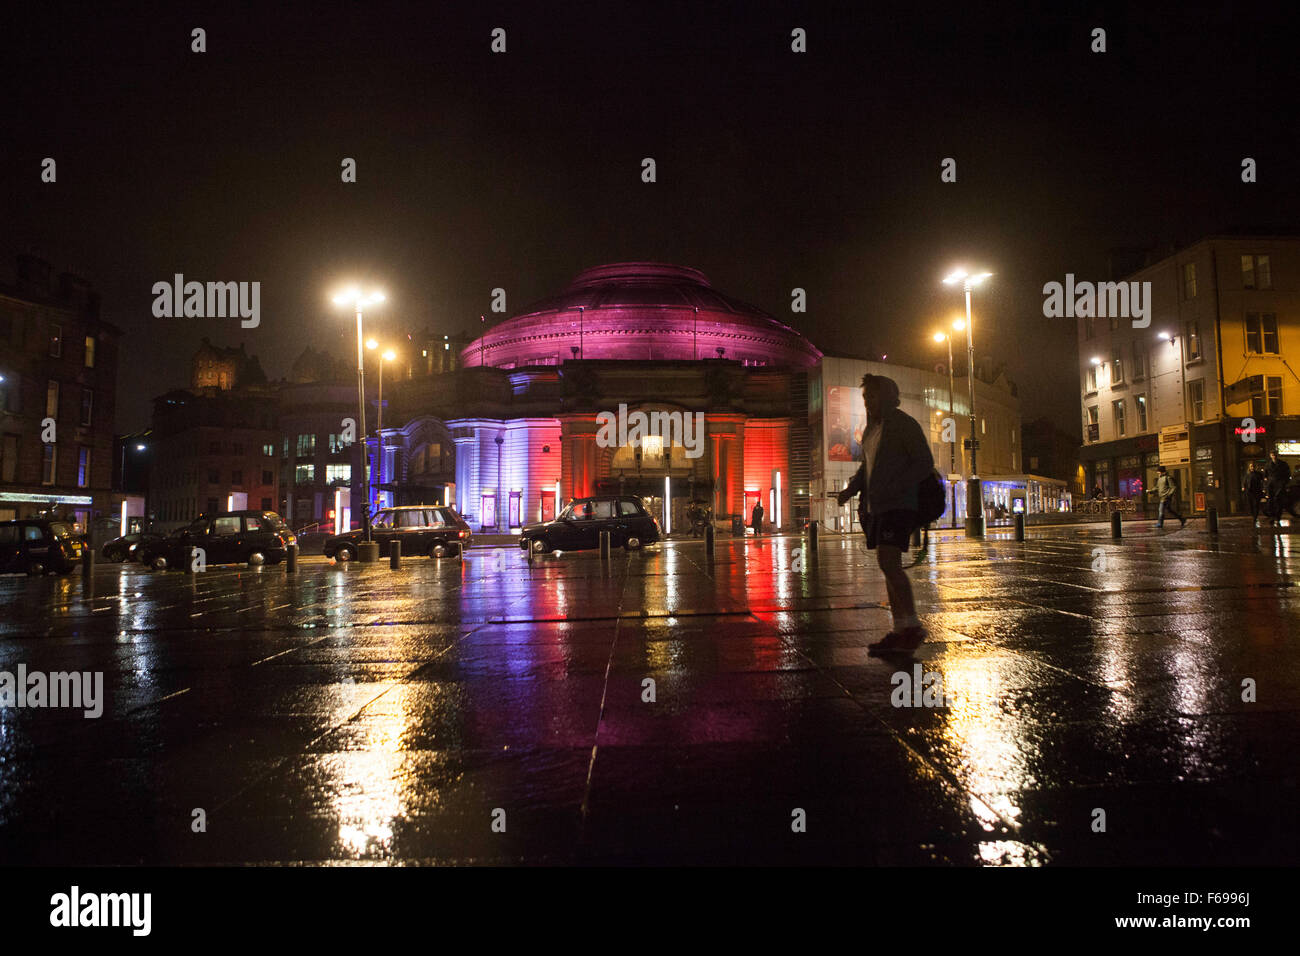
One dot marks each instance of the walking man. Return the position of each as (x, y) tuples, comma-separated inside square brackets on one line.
[(756, 519), (1279, 473), (1167, 491), (895, 458), (1254, 489)]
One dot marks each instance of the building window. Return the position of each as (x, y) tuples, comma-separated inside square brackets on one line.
[(1196, 399), (1256, 272), (9, 393), (56, 341), (87, 405), (285, 454), (49, 461), (268, 477), (90, 351), (268, 450), (1268, 402), (339, 473), (1091, 376), (238, 448), (9, 459), (306, 445), (83, 467), (1116, 368), (237, 476), (214, 448), (214, 476), (1141, 402), (337, 444), (212, 506), (1261, 333), (1118, 410), (1189, 280), (266, 504), (1193, 341), (304, 474), (1139, 361), (1094, 423), (52, 399)]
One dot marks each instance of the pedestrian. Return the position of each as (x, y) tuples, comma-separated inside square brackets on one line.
[(895, 458), (1167, 492), (1096, 492), (756, 519), (1276, 478), (1254, 489)]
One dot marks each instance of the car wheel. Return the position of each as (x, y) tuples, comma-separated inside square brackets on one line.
[(344, 555), (539, 546), (633, 543), (35, 569), (256, 559), (439, 551), (158, 563)]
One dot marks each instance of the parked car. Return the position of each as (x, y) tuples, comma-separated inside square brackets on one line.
[(579, 525), (254, 537), (38, 545), (127, 547), (434, 530)]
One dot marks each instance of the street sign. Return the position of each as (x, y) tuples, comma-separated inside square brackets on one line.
[(1175, 445)]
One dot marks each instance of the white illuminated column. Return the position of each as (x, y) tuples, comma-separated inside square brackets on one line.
[(557, 497), (668, 505), (230, 503), (776, 510), (123, 517), (339, 499)]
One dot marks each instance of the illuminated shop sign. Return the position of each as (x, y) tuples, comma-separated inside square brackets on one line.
[(1287, 447), (1257, 430), (19, 497)]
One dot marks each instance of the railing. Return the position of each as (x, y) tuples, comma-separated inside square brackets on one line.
[(1104, 506)]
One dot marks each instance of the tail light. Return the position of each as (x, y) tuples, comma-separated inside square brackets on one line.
[(462, 534)]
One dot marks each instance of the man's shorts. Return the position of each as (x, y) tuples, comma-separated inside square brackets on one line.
[(892, 528)]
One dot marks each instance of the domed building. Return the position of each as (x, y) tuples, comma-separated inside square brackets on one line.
[(641, 378), (721, 385)]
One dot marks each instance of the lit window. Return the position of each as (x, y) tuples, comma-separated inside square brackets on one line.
[(90, 351), (1261, 333), (1189, 280), (52, 400)]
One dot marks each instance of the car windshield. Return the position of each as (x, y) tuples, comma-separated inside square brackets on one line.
[(60, 530), (198, 526), (275, 520)]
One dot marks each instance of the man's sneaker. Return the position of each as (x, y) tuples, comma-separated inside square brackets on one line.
[(908, 639)]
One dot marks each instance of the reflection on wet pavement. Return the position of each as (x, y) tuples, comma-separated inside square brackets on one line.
[(668, 708)]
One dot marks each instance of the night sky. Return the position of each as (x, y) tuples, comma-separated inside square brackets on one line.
[(775, 169)]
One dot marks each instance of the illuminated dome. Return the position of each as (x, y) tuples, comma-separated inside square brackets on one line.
[(640, 310)]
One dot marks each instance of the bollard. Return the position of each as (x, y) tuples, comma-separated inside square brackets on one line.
[(604, 546), (1115, 529), (88, 562), (530, 552), (708, 540), (368, 552), (189, 560), (291, 559), (460, 551), (916, 536), (1020, 527), (395, 556), (1212, 520)]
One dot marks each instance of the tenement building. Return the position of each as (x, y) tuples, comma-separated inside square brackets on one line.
[(1209, 387), (58, 385)]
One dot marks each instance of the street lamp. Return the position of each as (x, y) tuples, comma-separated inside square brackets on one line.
[(359, 301), (974, 489), (386, 355)]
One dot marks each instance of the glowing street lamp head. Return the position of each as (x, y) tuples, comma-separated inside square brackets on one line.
[(1095, 360), (389, 355), (353, 296), (1165, 337), (955, 276), (372, 344), (139, 447), (940, 336), (959, 324)]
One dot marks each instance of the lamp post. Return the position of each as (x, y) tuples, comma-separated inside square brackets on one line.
[(386, 355), (1185, 417), (370, 550), (974, 489), (952, 445)]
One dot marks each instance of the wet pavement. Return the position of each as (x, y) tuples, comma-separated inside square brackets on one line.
[(495, 712)]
